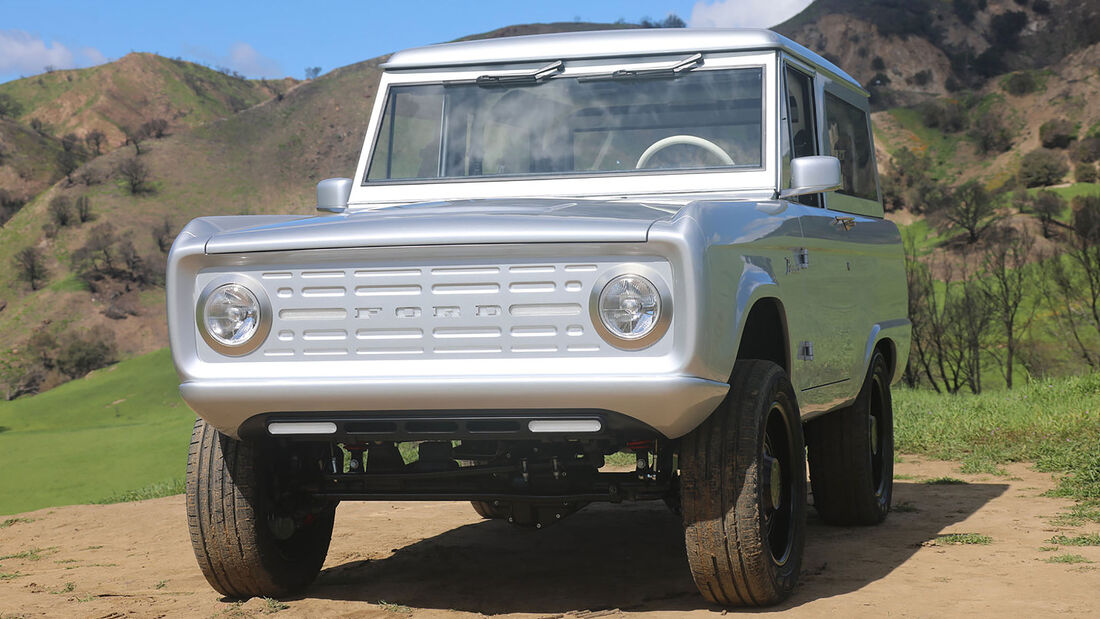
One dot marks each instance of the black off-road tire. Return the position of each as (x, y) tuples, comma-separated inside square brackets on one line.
[(851, 454), (229, 513), (489, 511), (743, 491)]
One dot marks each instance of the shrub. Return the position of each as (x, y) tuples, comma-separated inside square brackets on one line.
[(990, 134), (135, 173), (1057, 133), (61, 211), (1021, 83), (9, 107), (921, 78), (949, 115), (1042, 167), (878, 64), (1087, 150), (85, 352), (1085, 173)]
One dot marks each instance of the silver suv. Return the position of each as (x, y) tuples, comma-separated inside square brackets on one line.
[(668, 243)]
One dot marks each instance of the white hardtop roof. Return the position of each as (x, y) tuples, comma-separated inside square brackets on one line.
[(606, 43)]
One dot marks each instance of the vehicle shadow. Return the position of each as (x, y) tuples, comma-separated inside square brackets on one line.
[(629, 557)]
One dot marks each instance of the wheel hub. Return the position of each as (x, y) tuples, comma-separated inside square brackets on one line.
[(874, 435), (774, 474)]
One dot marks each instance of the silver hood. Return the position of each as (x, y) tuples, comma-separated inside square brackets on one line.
[(445, 223)]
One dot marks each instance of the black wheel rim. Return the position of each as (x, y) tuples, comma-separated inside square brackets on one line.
[(879, 432), (777, 484)]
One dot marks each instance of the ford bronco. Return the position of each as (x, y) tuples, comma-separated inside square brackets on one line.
[(668, 243)]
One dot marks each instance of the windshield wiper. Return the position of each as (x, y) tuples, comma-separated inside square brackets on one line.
[(521, 78), (674, 70)]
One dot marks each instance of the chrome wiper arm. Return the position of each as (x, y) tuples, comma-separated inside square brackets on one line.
[(520, 78), (676, 69)]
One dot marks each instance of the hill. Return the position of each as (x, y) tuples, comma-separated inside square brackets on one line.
[(29, 164), (907, 50), (138, 87)]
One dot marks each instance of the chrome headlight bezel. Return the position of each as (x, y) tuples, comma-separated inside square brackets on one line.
[(263, 323), (664, 315)]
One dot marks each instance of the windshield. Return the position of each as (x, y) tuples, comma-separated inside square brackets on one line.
[(705, 119)]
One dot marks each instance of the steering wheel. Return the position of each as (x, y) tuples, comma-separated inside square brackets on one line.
[(690, 140)]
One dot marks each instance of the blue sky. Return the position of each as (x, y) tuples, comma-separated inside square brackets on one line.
[(275, 39)]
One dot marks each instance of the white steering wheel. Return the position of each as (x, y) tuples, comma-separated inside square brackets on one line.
[(690, 140)]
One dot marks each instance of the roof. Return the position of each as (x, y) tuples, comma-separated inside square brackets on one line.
[(606, 43)]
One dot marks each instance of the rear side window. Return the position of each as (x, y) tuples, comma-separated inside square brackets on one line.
[(850, 142)]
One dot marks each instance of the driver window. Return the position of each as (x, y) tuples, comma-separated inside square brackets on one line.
[(801, 125)]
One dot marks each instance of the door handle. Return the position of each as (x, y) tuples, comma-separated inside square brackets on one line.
[(847, 222)]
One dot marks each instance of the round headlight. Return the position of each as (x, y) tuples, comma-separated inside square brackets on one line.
[(630, 307), (232, 319)]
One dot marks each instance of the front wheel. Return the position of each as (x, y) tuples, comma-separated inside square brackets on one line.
[(852, 454), (743, 491), (251, 538)]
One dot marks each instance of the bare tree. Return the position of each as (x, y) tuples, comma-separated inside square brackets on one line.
[(1046, 205), (84, 209), (312, 72), (1006, 283), (135, 173), (155, 128), (1071, 282), (69, 162), (970, 207), (135, 136), (61, 211), (162, 234), (30, 266), (95, 140)]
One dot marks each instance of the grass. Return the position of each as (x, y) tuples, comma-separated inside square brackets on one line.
[(394, 608), (963, 539), (1079, 514), (1066, 559), (10, 575), (272, 606), (1089, 539), (152, 491), (1054, 423), (73, 445), (944, 481), (904, 508), (31, 554), (14, 521)]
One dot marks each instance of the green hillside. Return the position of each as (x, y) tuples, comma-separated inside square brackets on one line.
[(132, 90), (119, 429)]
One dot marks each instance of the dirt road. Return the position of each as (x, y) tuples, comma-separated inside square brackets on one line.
[(440, 559)]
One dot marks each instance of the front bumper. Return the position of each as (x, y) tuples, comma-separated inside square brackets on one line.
[(671, 404)]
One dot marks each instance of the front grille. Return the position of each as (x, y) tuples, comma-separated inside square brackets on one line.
[(373, 312)]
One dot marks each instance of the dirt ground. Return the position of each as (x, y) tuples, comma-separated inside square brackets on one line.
[(441, 559)]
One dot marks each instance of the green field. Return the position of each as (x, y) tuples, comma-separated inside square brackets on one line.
[(122, 434), (121, 429)]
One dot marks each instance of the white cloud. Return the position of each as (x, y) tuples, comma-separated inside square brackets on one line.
[(93, 56), (744, 13), (23, 53), (242, 58)]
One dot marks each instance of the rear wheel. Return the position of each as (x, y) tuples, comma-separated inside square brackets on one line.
[(851, 454), (251, 537), (743, 491)]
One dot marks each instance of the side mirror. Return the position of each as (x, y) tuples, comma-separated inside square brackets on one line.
[(813, 174), (333, 194)]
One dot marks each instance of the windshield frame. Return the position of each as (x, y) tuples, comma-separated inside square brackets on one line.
[(579, 184)]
